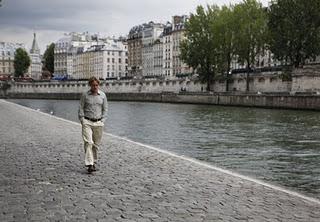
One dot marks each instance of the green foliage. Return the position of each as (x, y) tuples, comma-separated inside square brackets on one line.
[(294, 27), (215, 36), (225, 33), (22, 62), (200, 50), (286, 74), (49, 58), (251, 22)]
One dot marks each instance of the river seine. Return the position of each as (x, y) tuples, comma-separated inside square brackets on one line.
[(281, 147)]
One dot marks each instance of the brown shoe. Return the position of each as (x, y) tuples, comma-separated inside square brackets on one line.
[(90, 169)]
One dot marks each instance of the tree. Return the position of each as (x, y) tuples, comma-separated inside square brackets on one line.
[(225, 34), (199, 50), (49, 58), (22, 62), (251, 23), (294, 27)]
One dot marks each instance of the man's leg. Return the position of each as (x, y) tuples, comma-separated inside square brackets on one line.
[(97, 136), (88, 143)]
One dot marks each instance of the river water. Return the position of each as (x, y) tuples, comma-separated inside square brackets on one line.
[(281, 147)]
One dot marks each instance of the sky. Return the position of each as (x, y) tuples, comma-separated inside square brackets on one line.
[(50, 19)]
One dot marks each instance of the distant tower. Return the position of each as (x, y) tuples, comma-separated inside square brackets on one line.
[(35, 48), (35, 69)]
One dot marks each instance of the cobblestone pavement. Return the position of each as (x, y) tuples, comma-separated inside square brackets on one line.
[(42, 178)]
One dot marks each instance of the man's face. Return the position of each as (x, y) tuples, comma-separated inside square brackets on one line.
[(94, 87)]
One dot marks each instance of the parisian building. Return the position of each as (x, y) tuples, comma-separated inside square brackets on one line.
[(81, 55), (154, 49), (158, 57), (135, 51), (167, 51), (107, 60), (66, 49), (7, 53), (179, 68), (150, 36)]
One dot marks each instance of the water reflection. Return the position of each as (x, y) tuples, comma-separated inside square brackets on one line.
[(279, 146)]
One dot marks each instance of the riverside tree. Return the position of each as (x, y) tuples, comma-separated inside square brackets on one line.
[(49, 58), (22, 62), (225, 33), (199, 49), (294, 27), (251, 22)]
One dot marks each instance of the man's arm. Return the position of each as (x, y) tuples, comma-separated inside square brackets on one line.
[(104, 108), (81, 108)]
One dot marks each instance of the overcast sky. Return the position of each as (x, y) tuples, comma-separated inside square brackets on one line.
[(49, 19)]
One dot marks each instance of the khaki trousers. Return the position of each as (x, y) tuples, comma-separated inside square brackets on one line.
[(92, 135)]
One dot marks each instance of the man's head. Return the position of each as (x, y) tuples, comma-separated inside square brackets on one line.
[(94, 84)]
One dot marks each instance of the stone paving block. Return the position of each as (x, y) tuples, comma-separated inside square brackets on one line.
[(48, 182)]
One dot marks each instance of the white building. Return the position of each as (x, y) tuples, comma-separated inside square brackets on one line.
[(66, 49), (150, 34), (158, 57), (167, 51), (106, 60), (7, 53), (179, 68)]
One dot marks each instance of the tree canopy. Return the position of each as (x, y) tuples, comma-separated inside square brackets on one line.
[(251, 23), (49, 58), (225, 34), (294, 27), (200, 50), (22, 62), (216, 36)]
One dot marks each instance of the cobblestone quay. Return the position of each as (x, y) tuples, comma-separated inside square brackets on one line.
[(42, 178)]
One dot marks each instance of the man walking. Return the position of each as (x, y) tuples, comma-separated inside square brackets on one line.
[(92, 114)]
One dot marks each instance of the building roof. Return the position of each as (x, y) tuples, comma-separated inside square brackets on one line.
[(35, 48)]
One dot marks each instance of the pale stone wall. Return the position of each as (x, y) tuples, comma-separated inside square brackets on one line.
[(307, 80)]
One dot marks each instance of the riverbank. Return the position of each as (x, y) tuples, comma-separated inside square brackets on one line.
[(43, 178), (301, 101)]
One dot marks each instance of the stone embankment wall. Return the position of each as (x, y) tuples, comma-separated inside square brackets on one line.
[(265, 90), (303, 80)]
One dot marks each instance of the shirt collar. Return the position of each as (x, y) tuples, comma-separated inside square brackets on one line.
[(90, 93)]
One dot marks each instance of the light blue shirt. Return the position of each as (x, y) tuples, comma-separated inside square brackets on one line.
[(93, 106)]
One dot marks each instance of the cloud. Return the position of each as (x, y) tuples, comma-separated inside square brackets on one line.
[(49, 19)]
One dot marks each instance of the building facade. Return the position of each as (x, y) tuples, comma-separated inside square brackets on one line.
[(104, 61), (135, 51), (7, 53), (179, 68), (66, 49), (150, 36), (148, 40), (167, 52)]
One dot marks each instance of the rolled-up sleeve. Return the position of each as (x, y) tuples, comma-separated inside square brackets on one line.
[(104, 108), (81, 107)]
